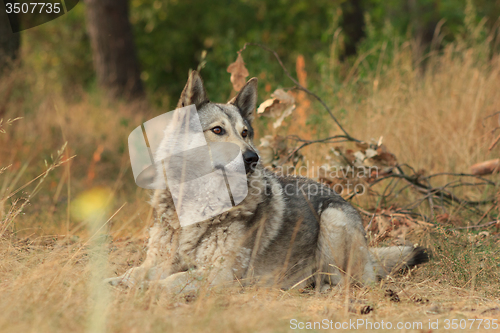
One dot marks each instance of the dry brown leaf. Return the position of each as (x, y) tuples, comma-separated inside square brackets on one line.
[(494, 143), (385, 157), (267, 108), (283, 96), (280, 106), (286, 112), (238, 72), (485, 168), (362, 145)]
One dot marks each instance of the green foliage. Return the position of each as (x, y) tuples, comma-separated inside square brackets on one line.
[(58, 52), (426, 14), (171, 36), (391, 25)]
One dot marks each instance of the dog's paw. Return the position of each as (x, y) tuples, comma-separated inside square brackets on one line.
[(181, 283), (115, 281), (125, 282), (131, 278), (326, 288)]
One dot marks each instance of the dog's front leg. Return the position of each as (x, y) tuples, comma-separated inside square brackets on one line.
[(182, 282), (194, 280), (161, 246)]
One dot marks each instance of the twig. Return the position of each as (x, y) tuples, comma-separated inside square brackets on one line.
[(484, 215), (415, 181), (494, 143), (310, 142), (477, 226), (491, 115)]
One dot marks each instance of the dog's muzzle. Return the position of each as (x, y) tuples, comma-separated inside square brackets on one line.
[(250, 158)]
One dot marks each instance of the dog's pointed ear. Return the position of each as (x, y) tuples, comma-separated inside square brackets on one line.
[(194, 92), (246, 99)]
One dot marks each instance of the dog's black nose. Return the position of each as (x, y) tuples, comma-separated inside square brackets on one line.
[(250, 158)]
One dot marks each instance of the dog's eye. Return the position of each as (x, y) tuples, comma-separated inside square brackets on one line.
[(218, 130), (244, 133)]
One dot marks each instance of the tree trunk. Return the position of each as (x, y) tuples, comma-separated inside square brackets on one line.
[(9, 41), (353, 25), (113, 48)]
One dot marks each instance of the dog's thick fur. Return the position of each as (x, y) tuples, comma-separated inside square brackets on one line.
[(289, 231)]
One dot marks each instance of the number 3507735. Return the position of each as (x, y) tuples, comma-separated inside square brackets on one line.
[(33, 7)]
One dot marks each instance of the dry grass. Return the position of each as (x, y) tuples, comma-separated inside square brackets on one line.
[(432, 120), (44, 288)]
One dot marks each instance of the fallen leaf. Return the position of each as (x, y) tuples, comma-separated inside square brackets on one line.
[(288, 111), (283, 96), (485, 168), (370, 153), (238, 72), (266, 108), (280, 106), (362, 145)]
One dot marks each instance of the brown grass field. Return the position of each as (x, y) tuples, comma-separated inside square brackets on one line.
[(434, 119)]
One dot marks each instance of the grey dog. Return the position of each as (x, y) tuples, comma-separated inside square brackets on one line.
[(287, 232)]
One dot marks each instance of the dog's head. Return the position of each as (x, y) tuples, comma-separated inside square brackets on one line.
[(225, 122)]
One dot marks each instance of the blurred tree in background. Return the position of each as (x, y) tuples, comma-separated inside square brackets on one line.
[(353, 26), (113, 48), (9, 42)]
